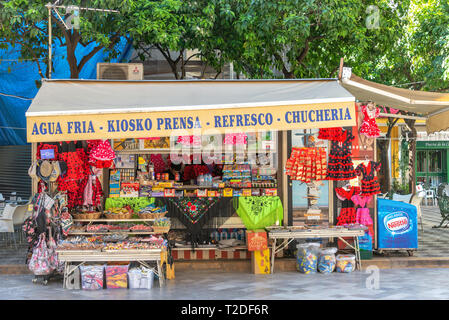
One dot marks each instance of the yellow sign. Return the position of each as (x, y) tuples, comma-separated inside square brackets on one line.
[(207, 121)]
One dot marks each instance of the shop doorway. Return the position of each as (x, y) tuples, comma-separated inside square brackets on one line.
[(309, 203), (431, 167)]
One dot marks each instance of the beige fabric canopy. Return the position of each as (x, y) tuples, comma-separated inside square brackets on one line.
[(105, 109), (432, 105)]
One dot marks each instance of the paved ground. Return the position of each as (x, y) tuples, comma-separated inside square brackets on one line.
[(402, 284), (431, 243)]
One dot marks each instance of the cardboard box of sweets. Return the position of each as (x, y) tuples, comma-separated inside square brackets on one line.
[(129, 190)]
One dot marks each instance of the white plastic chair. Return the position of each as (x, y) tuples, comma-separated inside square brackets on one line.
[(19, 216), (430, 194), (416, 201), (6, 221), (402, 197)]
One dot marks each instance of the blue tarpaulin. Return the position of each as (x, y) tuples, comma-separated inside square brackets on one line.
[(18, 79)]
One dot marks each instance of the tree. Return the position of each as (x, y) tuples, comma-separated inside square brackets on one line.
[(24, 25), (419, 58), (174, 27), (306, 39)]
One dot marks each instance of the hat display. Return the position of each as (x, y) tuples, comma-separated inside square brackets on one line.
[(48, 171), (32, 171), (55, 172), (44, 170)]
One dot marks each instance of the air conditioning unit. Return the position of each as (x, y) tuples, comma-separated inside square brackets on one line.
[(120, 71)]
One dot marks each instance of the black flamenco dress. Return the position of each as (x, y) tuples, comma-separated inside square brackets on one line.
[(340, 166)]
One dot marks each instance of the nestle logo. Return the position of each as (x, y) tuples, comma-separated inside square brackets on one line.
[(397, 222)]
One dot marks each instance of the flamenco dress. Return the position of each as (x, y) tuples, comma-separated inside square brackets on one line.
[(370, 184), (362, 213), (347, 212), (340, 166), (369, 126), (333, 134), (307, 164)]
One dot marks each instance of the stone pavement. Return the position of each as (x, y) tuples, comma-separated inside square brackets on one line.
[(431, 243), (402, 284)]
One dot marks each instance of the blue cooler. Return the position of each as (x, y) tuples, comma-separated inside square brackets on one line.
[(397, 225)]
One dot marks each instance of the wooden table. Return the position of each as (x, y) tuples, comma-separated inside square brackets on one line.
[(289, 235), (80, 257)]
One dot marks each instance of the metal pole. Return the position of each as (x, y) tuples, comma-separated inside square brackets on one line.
[(49, 42)]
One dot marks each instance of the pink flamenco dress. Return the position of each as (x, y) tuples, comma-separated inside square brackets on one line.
[(369, 126), (362, 215)]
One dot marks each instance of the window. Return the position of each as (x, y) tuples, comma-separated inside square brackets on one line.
[(435, 161), (421, 161)]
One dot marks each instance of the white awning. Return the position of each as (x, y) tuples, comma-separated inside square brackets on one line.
[(59, 102), (432, 105)]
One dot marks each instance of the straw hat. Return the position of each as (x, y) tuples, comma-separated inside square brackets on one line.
[(45, 169), (32, 171), (56, 171)]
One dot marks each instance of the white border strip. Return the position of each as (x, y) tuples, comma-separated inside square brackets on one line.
[(186, 108), (392, 95)]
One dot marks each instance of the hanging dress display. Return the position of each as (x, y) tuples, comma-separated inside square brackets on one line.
[(340, 166), (362, 213), (347, 212), (370, 184), (101, 154), (369, 126), (78, 170), (307, 164), (333, 134)]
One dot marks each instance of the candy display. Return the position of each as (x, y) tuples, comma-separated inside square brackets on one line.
[(345, 263), (114, 210), (140, 227), (97, 228), (162, 222), (152, 212), (116, 277), (327, 260), (111, 242), (80, 243), (125, 245), (307, 257), (115, 237), (92, 277)]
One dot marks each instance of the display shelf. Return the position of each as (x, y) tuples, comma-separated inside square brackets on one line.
[(110, 233), (177, 151), (113, 220)]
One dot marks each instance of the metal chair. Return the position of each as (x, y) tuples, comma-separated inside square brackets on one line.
[(430, 194), (443, 204)]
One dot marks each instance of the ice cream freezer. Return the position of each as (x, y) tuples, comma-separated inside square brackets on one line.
[(397, 226)]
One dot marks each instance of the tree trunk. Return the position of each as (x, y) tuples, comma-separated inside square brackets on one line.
[(385, 182), (412, 155)]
